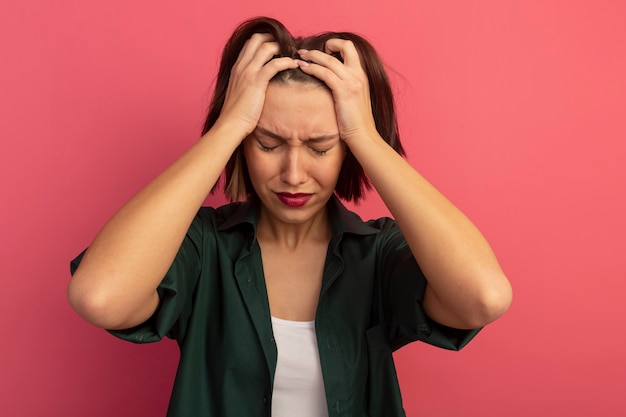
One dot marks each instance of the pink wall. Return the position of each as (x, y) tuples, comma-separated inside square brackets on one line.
[(514, 109)]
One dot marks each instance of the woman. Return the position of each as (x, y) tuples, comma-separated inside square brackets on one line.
[(286, 303)]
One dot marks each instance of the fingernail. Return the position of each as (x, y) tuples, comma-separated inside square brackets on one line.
[(301, 63), (302, 51)]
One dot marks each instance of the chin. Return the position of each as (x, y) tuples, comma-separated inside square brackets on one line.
[(295, 215)]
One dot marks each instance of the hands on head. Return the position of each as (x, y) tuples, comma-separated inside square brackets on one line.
[(115, 285), (261, 51), (259, 62)]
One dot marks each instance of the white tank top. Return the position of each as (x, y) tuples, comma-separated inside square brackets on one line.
[(298, 383)]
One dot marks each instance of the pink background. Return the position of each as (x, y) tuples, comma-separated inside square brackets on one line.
[(514, 109)]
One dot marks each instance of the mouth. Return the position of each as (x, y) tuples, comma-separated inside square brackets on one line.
[(294, 200)]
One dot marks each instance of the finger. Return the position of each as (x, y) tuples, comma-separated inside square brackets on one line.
[(328, 76), (254, 59), (345, 48), (251, 46), (276, 65), (323, 59), (265, 63), (264, 53)]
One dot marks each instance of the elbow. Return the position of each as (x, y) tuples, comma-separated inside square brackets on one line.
[(109, 308), (492, 303), (89, 305), (470, 307), (94, 304)]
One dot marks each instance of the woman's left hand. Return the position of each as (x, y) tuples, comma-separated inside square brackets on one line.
[(466, 286), (349, 85)]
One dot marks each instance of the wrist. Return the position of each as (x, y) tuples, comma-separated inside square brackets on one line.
[(228, 133)]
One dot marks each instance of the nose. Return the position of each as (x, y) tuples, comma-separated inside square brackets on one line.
[(293, 170)]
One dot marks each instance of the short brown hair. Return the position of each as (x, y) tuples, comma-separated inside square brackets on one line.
[(352, 181)]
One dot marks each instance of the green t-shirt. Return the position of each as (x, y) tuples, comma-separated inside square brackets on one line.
[(214, 303)]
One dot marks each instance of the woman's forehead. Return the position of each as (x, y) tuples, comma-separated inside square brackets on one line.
[(303, 108)]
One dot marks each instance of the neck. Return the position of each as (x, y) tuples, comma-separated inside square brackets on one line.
[(293, 235)]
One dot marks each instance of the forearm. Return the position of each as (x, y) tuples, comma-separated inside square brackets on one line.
[(115, 284), (466, 286)]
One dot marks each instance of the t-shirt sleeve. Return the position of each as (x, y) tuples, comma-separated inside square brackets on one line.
[(175, 293), (402, 286)]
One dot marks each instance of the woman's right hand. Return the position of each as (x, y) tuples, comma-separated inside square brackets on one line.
[(115, 285), (249, 78)]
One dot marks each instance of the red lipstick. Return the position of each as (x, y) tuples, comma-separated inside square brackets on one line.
[(294, 200)]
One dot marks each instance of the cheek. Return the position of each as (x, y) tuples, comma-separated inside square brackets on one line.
[(329, 170), (259, 168)]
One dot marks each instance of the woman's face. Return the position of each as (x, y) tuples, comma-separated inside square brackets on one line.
[(295, 154)]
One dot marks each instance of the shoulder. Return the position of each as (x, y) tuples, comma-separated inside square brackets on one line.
[(346, 222), (226, 215), (230, 226)]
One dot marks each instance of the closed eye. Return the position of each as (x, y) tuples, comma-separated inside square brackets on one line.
[(267, 148), (320, 152)]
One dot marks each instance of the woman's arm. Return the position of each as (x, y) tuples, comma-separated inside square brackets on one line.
[(466, 286), (115, 285)]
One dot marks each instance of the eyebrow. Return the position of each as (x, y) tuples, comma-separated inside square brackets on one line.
[(315, 139)]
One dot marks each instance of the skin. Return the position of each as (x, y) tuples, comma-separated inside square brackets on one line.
[(115, 285), (295, 149), (466, 286)]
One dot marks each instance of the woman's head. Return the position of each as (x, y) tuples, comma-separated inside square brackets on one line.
[(295, 153), (352, 181)]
